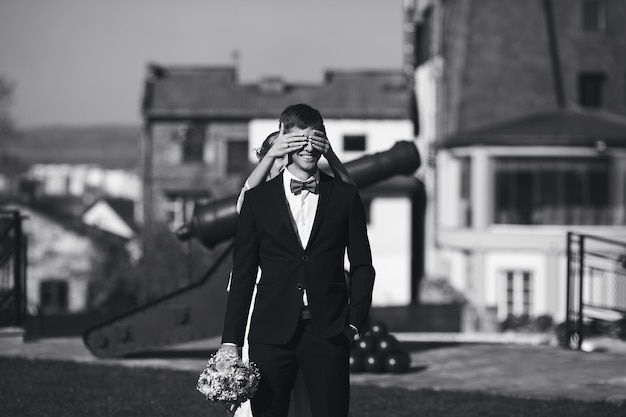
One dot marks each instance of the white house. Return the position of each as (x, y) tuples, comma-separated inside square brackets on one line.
[(510, 194)]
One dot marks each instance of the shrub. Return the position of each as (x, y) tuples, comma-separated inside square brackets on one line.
[(525, 323), (440, 291)]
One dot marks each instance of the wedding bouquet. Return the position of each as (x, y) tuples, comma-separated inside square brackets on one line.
[(227, 381)]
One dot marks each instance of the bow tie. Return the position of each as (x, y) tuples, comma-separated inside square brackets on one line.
[(298, 186)]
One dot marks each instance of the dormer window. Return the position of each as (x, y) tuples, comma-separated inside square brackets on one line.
[(272, 85)]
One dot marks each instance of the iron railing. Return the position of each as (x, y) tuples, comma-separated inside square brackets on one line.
[(12, 269), (596, 287)]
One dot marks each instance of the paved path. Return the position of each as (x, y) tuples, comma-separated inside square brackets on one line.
[(537, 371), (525, 371)]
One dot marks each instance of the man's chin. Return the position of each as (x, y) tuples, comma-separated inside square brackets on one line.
[(311, 167), (308, 163)]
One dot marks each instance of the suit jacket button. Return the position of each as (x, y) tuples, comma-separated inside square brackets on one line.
[(305, 258), (300, 287)]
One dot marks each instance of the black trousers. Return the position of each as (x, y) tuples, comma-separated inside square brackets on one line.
[(325, 367)]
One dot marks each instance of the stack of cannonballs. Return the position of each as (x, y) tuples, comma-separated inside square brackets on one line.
[(378, 351)]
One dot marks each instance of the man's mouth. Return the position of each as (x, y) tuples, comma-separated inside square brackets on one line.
[(307, 156)]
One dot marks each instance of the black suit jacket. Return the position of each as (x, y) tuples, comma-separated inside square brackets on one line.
[(266, 238)]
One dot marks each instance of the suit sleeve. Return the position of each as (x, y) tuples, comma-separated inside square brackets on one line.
[(245, 266), (361, 269)]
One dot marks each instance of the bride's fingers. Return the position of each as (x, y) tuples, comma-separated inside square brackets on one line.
[(319, 138), (296, 141), (289, 144), (319, 144)]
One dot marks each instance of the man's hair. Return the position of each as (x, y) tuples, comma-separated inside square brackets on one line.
[(301, 116)]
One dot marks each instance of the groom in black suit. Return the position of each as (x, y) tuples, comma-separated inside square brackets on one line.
[(296, 228)]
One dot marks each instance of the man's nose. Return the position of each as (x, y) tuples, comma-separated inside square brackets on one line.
[(309, 147)]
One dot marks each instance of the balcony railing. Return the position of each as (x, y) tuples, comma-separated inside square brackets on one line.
[(596, 287)]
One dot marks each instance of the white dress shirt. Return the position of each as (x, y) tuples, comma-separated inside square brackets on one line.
[(302, 207)]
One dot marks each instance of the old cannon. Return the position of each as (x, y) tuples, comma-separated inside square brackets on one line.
[(196, 312)]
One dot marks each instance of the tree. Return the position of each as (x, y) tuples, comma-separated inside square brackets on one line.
[(170, 264), (7, 128), (118, 285), (10, 165)]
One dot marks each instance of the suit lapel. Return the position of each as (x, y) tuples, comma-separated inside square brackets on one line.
[(280, 201), (326, 188)]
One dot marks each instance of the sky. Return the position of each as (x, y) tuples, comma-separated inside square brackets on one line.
[(83, 62)]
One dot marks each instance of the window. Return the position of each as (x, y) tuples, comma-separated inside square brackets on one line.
[(423, 37), (517, 293), (354, 142), (591, 89), (237, 157), (179, 206), (593, 15), (193, 143), (526, 294), (510, 294), (53, 296), (175, 212), (566, 191), (466, 193)]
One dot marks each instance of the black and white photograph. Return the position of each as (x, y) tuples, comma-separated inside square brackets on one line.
[(331, 208)]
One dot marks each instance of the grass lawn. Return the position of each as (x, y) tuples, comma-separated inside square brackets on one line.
[(37, 388)]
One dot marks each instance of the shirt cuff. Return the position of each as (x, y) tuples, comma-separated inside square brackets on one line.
[(229, 344)]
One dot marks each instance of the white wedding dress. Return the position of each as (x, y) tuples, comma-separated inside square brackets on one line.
[(299, 405)]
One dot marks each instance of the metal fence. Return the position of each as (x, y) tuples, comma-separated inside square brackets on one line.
[(12, 269), (596, 287)]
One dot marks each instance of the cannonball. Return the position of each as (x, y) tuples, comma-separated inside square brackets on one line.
[(373, 362), (387, 344), (356, 361), (378, 329), (366, 344), (397, 362)]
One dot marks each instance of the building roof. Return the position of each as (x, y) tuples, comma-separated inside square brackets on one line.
[(63, 210), (215, 92), (111, 215), (568, 127), (68, 211), (112, 147)]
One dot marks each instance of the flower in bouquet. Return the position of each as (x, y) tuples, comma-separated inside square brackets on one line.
[(228, 381)]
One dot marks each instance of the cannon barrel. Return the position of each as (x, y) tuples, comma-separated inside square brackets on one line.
[(216, 221)]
